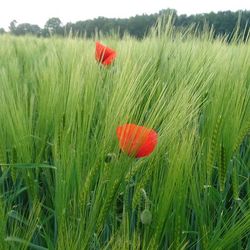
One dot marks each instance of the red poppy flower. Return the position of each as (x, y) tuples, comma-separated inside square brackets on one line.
[(104, 54), (136, 140)]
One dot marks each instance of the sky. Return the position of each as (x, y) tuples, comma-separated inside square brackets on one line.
[(39, 11)]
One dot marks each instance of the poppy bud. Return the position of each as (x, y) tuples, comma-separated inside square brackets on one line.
[(146, 217)]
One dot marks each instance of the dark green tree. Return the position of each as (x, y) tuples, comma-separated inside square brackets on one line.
[(224, 24), (26, 28), (12, 26), (53, 27), (2, 31)]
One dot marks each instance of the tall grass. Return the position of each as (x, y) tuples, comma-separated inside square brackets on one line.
[(59, 111)]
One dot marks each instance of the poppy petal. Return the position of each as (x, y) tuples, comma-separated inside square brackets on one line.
[(136, 140), (109, 59), (104, 54)]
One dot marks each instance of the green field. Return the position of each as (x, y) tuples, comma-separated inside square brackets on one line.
[(59, 110)]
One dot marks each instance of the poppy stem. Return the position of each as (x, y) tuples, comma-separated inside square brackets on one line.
[(147, 201), (119, 154)]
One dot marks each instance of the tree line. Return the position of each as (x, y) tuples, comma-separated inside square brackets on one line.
[(223, 22)]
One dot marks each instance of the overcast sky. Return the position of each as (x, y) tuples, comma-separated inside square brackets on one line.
[(39, 11)]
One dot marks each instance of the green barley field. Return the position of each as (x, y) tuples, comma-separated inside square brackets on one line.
[(64, 182)]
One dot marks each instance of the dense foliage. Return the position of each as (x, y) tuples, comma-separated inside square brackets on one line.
[(65, 184), (138, 26)]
